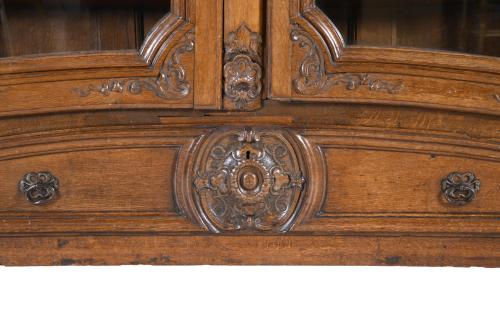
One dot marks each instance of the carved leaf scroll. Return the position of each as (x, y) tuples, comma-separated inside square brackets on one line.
[(171, 82), (313, 79)]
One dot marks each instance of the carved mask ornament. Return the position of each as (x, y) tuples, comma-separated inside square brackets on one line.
[(242, 67), (248, 180)]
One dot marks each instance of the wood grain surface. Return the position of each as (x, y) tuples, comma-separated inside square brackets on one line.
[(249, 250), (208, 55), (349, 154)]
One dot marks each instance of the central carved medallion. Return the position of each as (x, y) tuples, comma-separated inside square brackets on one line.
[(248, 180)]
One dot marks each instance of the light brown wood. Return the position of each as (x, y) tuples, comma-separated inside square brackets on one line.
[(208, 55), (394, 186), (97, 180), (250, 12), (97, 172), (391, 182), (367, 156), (249, 250), (279, 66)]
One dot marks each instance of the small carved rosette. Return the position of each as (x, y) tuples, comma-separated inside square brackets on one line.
[(248, 180), (460, 188), (39, 187)]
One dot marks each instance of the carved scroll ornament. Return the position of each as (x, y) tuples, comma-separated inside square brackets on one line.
[(242, 67), (248, 180), (313, 79), (171, 82)]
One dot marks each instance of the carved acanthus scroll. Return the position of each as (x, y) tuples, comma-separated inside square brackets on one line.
[(171, 82), (313, 79), (248, 180), (242, 67)]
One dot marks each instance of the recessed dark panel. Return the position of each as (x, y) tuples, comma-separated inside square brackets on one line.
[(469, 26), (54, 26)]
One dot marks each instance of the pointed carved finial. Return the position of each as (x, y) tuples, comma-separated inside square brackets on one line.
[(243, 41)]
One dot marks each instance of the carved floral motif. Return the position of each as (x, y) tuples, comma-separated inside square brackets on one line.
[(312, 78), (171, 82), (242, 67), (248, 180)]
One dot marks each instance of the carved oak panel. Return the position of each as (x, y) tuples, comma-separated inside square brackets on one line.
[(247, 180)]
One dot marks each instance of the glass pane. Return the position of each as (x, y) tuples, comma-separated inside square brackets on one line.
[(469, 26), (50, 26)]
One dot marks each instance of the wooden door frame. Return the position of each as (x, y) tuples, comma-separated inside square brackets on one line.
[(163, 73), (304, 44)]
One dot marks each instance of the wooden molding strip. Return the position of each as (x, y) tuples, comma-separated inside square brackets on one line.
[(250, 250)]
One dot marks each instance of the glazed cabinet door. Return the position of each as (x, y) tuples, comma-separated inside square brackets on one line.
[(85, 55), (434, 54)]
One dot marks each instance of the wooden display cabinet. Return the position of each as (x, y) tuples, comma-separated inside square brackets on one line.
[(250, 132)]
